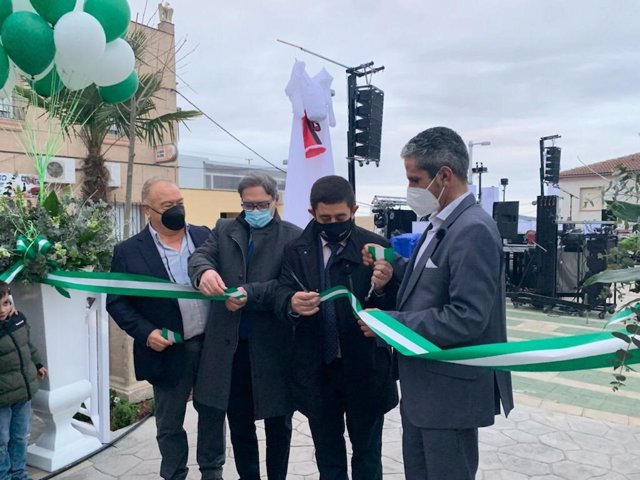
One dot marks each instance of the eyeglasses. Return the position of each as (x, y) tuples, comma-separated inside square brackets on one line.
[(164, 208), (249, 206)]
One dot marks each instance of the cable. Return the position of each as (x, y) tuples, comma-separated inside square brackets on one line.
[(225, 130)]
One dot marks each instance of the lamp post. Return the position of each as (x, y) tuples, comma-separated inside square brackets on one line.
[(479, 169), (504, 182), (471, 144)]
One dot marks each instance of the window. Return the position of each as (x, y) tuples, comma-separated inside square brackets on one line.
[(591, 199)]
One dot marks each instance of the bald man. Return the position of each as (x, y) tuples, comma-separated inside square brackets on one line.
[(169, 363)]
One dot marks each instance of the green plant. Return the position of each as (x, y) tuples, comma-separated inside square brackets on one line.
[(623, 202), (124, 413), (81, 234)]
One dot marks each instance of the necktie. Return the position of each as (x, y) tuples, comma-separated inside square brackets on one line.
[(330, 324), (244, 330)]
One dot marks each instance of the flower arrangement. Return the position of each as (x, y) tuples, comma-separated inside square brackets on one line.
[(58, 233)]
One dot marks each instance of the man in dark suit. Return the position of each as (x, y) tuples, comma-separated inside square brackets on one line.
[(245, 356), (338, 375), (162, 250), (452, 293)]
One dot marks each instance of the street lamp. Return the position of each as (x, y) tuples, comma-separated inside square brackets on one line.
[(504, 182), (471, 145), (479, 169)]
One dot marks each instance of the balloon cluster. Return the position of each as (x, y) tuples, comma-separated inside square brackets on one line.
[(70, 43)]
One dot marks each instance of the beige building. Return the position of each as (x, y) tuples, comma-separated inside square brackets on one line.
[(584, 189)]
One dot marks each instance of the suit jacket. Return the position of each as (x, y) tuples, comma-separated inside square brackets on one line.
[(269, 339), (368, 367), (139, 316), (454, 296)]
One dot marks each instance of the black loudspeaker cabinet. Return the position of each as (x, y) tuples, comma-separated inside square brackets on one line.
[(596, 246), (506, 216), (399, 221), (547, 249)]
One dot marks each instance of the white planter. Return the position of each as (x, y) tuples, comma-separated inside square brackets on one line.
[(60, 332)]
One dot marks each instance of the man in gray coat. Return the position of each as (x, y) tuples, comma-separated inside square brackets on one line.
[(452, 293), (246, 348)]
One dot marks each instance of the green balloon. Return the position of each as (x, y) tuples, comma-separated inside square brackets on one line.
[(52, 10), (48, 85), (4, 67), (113, 15), (120, 92), (6, 9), (28, 40)]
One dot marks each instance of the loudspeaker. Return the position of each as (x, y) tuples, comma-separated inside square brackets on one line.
[(547, 238), (597, 245), (399, 221), (505, 215)]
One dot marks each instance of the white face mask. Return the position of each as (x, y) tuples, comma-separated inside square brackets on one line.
[(422, 201)]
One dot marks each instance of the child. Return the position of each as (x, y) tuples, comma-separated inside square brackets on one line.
[(20, 368)]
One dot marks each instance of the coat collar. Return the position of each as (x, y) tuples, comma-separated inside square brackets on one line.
[(415, 269)]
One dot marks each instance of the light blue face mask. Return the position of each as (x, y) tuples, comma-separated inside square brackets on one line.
[(258, 218)]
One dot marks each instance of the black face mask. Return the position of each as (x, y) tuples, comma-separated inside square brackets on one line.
[(173, 218), (335, 232)]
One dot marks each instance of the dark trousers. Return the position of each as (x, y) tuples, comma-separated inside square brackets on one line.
[(242, 426), (439, 454), (327, 430), (171, 405)]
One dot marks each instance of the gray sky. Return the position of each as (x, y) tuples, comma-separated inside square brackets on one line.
[(504, 71)]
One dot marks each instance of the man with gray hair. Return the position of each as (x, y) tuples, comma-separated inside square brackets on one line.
[(246, 351), (452, 293), (168, 333)]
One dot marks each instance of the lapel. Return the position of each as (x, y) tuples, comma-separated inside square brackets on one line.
[(416, 269), (149, 253)]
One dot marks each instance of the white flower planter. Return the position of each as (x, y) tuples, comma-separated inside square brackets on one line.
[(60, 332)]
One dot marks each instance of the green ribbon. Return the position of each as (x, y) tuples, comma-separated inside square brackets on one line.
[(30, 248), (575, 352)]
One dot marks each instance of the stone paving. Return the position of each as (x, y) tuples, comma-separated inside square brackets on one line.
[(566, 426)]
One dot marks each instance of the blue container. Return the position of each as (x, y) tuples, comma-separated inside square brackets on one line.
[(404, 243)]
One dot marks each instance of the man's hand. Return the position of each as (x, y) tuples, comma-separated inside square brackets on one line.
[(234, 304), (382, 273), (155, 341), (211, 283), (367, 258), (305, 303), (42, 373), (366, 330)]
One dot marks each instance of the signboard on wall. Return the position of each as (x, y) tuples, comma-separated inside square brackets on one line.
[(24, 182)]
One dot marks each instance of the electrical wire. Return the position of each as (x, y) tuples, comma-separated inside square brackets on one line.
[(208, 117)]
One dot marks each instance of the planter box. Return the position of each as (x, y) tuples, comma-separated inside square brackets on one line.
[(60, 332)]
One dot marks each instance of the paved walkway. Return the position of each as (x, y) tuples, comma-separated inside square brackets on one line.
[(566, 425)]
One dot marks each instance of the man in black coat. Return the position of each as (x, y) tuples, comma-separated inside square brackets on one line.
[(162, 250), (336, 371), (245, 356)]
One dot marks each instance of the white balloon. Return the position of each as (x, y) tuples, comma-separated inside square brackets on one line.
[(80, 41), (7, 89), (115, 65), (23, 5), (74, 79)]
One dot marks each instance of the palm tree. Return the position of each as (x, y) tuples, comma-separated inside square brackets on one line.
[(83, 114)]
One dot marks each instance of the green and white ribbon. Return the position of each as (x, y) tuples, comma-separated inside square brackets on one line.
[(173, 337), (30, 249), (577, 352), (129, 284), (380, 253)]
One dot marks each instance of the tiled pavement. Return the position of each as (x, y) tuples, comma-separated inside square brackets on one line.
[(567, 425)]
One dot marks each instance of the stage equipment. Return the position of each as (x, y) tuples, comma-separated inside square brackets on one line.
[(547, 240), (505, 215), (390, 216), (549, 164)]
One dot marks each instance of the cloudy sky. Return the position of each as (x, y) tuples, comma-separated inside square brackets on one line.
[(504, 71)]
